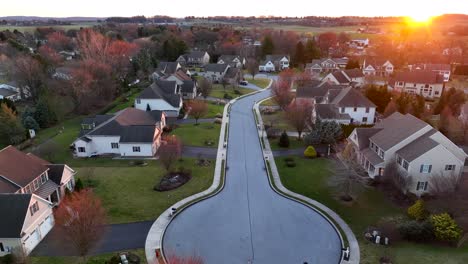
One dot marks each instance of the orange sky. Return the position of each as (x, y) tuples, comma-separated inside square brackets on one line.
[(181, 8)]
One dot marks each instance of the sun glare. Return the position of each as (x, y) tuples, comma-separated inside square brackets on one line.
[(420, 19)]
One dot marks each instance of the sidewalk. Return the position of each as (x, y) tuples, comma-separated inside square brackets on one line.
[(268, 155)]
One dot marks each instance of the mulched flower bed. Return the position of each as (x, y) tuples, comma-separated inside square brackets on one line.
[(172, 181)]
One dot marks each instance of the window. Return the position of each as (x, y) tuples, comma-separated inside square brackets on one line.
[(367, 109), (36, 184), (450, 167), (364, 119), (376, 149), (115, 145), (136, 149), (436, 93), (355, 109), (425, 168), (421, 186), (43, 178), (405, 165), (34, 208), (372, 145), (81, 149), (382, 154), (342, 109), (138, 101)]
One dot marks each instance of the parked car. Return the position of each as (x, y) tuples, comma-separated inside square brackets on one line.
[(244, 83)]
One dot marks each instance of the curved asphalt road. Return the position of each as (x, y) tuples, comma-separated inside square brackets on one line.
[(247, 222)]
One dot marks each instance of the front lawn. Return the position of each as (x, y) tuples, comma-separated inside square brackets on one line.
[(127, 191), (277, 120), (198, 135), (260, 82), (311, 178), (269, 102), (97, 259), (218, 91), (214, 109), (293, 144)]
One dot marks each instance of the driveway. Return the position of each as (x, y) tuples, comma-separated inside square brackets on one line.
[(117, 237), (247, 222)]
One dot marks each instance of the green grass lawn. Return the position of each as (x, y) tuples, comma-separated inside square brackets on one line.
[(260, 82), (214, 109), (269, 102), (293, 144), (196, 135), (218, 91), (127, 191), (125, 102), (97, 259), (310, 178), (32, 29), (277, 120)]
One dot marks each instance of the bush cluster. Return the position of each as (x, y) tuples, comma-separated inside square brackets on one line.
[(310, 152), (417, 211), (445, 228)]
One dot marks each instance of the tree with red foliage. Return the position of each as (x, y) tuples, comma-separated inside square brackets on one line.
[(119, 54), (93, 45), (326, 41), (59, 41), (81, 218), (298, 114), (50, 57), (29, 74), (170, 151), (198, 109), (281, 91)]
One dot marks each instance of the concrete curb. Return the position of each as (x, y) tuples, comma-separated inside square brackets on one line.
[(156, 233), (326, 212)]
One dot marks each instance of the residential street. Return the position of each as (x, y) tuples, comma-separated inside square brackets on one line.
[(247, 222)]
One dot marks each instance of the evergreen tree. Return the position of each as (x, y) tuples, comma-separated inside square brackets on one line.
[(311, 51), (30, 123), (299, 56), (284, 140), (11, 130), (352, 64), (44, 115), (268, 46)]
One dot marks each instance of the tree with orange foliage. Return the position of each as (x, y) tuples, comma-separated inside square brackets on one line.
[(81, 218), (59, 41), (50, 56), (169, 152), (298, 114), (198, 109)]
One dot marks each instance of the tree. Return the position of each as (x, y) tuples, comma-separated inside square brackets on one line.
[(268, 47), (30, 123), (390, 108), (380, 96), (44, 114), (444, 184), (170, 152), (59, 41), (29, 75), (396, 178), (299, 55), (284, 140), (298, 114), (281, 91), (252, 67), (311, 51), (326, 41), (47, 150), (205, 87), (81, 218), (11, 130), (353, 64), (310, 152), (49, 57), (198, 109), (451, 126)]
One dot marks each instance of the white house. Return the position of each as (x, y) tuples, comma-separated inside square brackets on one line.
[(425, 83), (130, 132), (9, 92), (377, 67), (215, 72), (194, 58), (162, 96), (26, 219), (353, 77), (235, 60), (274, 63), (443, 69), (418, 150), (359, 43)]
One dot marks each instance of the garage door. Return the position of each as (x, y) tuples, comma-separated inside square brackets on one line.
[(46, 226), (31, 242)]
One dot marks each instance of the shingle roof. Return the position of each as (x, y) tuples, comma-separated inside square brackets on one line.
[(215, 67), (7, 92), (428, 77), (372, 157), (340, 77), (46, 189), (354, 73), (232, 73), (162, 90), (350, 97), (187, 86), (14, 208), (330, 111), (418, 147), (229, 58), (168, 67), (396, 128), (18, 167), (312, 89), (363, 135), (56, 172)]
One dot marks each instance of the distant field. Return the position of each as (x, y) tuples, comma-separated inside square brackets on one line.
[(62, 27)]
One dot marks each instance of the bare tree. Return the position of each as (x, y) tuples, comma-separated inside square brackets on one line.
[(205, 87), (252, 67), (169, 152), (298, 115), (28, 72), (198, 109), (81, 218), (398, 178), (442, 185)]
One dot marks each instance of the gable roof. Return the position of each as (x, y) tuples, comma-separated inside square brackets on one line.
[(340, 77), (229, 58), (418, 147), (315, 88), (330, 111), (353, 73), (350, 97), (196, 54), (232, 72), (56, 172), (433, 67), (161, 89), (14, 208), (7, 92), (363, 135), (168, 67), (216, 67), (187, 86), (19, 168), (427, 77)]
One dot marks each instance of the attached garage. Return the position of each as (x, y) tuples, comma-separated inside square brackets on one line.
[(31, 241)]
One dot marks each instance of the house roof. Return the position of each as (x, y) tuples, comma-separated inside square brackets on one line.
[(330, 111), (315, 88), (56, 172), (131, 134), (14, 208), (7, 92), (395, 129), (274, 58), (434, 67), (18, 167), (46, 189), (232, 72), (372, 157), (187, 86), (363, 135), (428, 77), (340, 77), (181, 75), (162, 90), (354, 73), (215, 67), (418, 147), (229, 58), (168, 67), (350, 97)]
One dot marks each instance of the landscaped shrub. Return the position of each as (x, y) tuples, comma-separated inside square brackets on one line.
[(218, 121), (284, 140), (227, 96), (219, 115), (445, 228), (237, 92), (78, 185), (310, 152), (416, 231), (290, 162), (417, 211)]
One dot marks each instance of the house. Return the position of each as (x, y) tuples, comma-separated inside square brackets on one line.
[(215, 72), (353, 77), (8, 91), (26, 219), (425, 83), (235, 60), (443, 69), (189, 90), (322, 65), (233, 75), (377, 67), (27, 173), (359, 43), (162, 96), (130, 132), (342, 104), (165, 68), (63, 73), (274, 63), (418, 150), (194, 58)]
